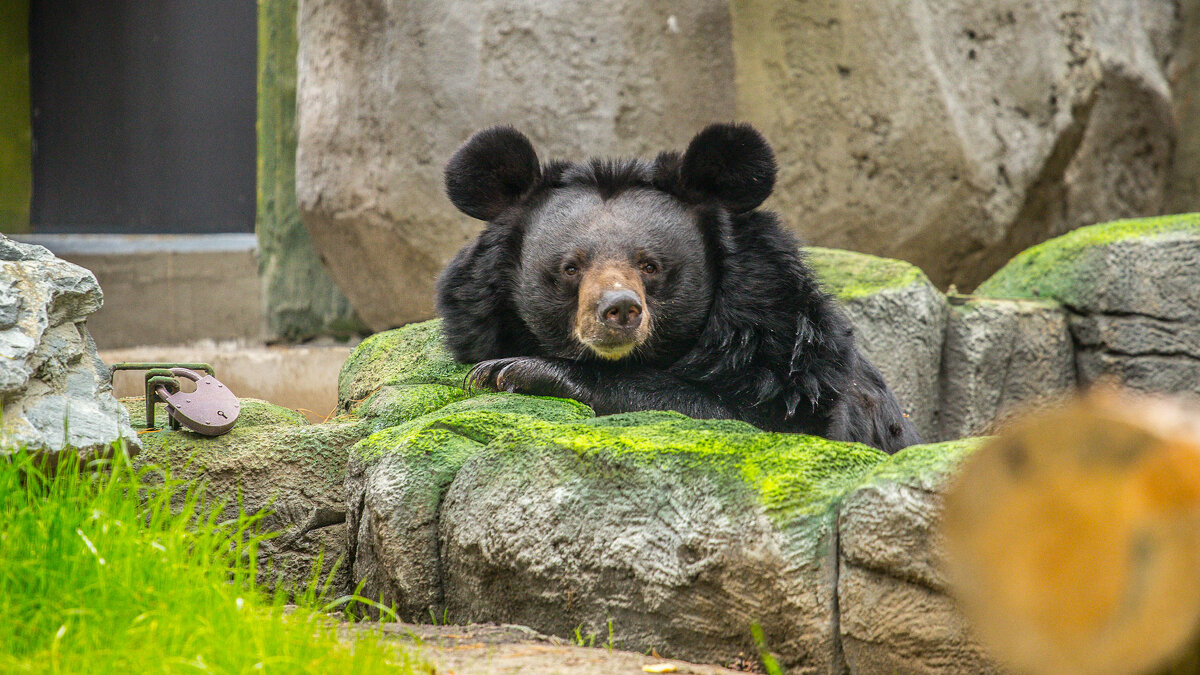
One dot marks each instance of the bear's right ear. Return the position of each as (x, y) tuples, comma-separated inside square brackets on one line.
[(491, 171)]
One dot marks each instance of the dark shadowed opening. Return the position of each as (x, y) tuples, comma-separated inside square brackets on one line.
[(143, 115)]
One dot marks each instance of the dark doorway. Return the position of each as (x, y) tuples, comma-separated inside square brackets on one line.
[(143, 115)]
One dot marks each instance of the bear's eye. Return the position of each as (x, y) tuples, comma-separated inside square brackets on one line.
[(649, 268), (570, 270)]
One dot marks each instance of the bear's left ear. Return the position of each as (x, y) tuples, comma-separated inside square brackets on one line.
[(491, 171), (731, 163)]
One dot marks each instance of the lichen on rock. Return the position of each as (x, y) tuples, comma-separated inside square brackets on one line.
[(412, 355), (1132, 291)]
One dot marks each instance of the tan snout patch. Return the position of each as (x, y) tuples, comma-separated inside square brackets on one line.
[(606, 342)]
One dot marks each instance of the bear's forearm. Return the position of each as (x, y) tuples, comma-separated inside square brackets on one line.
[(608, 390), (618, 392)]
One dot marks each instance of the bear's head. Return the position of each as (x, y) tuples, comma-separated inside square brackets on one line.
[(612, 259)]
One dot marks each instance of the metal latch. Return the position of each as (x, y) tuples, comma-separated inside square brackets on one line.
[(210, 410)]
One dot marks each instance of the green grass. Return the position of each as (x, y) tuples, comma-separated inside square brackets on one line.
[(99, 574)]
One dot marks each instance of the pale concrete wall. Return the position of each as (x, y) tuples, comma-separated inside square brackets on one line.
[(168, 289)]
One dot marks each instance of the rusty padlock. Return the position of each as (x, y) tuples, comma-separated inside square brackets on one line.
[(211, 410)]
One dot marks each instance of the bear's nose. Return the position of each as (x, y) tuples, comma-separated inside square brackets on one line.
[(620, 309)]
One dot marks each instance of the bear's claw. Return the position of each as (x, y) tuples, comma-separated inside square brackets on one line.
[(522, 375), (516, 374)]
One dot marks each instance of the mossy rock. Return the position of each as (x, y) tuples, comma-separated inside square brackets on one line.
[(1112, 266), (497, 507), (1131, 289), (847, 274), (899, 320), (274, 462), (255, 412), (413, 354), (396, 404), (895, 614)]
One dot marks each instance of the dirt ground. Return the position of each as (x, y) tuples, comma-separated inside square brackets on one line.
[(487, 649)]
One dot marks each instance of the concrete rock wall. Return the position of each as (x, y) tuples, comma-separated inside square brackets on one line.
[(1115, 301), (388, 90), (949, 134), (954, 134)]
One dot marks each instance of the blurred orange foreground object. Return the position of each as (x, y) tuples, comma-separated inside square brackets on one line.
[(1073, 540)]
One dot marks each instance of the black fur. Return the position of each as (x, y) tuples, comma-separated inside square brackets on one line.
[(490, 172), (742, 331)]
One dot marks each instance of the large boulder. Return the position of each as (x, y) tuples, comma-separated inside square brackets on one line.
[(950, 134), (954, 134), (895, 611), (1132, 291), (678, 533), (387, 92), (1001, 357), (55, 391), (899, 319), (275, 462), (397, 479)]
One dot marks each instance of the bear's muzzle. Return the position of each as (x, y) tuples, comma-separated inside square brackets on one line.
[(612, 318)]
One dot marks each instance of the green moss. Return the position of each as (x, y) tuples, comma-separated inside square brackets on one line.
[(848, 275), (479, 419), (1052, 269), (924, 466), (789, 474), (669, 419), (397, 404), (320, 449), (255, 412), (413, 354), (438, 427), (432, 457)]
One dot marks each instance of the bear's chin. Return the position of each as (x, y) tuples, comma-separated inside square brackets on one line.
[(614, 352)]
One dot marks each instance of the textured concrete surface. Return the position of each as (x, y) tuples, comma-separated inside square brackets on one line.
[(954, 134), (1001, 357), (387, 92), (490, 649), (168, 289)]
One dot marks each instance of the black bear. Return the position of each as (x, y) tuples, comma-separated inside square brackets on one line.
[(653, 285)]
